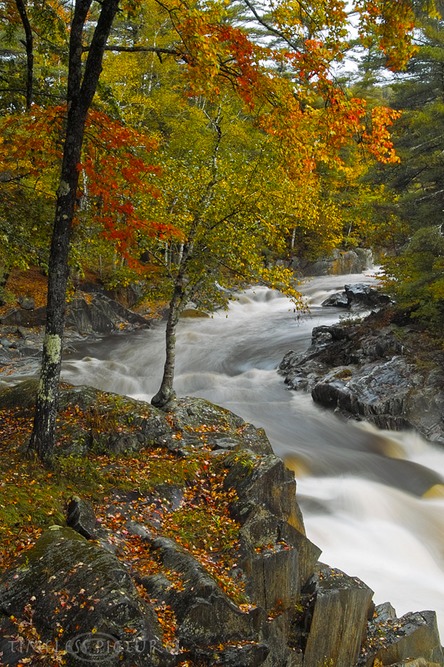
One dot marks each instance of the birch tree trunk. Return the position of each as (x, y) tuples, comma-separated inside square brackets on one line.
[(166, 393), (182, 287)]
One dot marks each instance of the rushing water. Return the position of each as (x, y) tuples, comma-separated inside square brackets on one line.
[(361, 490)]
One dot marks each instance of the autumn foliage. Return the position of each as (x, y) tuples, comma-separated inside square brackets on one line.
[(131, 75), (278, 63)]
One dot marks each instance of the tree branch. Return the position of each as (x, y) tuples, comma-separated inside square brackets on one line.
[(271, 29), (29, 46), (142, 49)]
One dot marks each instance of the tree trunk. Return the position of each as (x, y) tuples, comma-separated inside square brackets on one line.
[(181, 293), (166, 393), (29, 46), (43, 435), (80, 95)]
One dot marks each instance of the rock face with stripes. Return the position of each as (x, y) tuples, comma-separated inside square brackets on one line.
[(75, 596)]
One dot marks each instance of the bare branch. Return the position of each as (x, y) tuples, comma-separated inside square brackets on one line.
[(142, 49)]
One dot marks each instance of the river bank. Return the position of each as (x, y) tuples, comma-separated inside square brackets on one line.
[(184, 545), (90, 316), (360, 505), (383, 369)]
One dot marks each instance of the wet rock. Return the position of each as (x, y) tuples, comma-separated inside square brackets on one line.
[(264, 482), (337, 300), (384, 612), (359, 295), (380, 395), (329, 347), (101, 315), (273, 576), (365, 296), (276, 558), (26, 318), (368, 371), (336, 619), (98, 315)]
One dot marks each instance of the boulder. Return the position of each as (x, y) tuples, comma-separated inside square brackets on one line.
[(78, 598), (336, 300), (25, 318), (98, 315), (276, 558), (268, 483), (359, 295), (365, 296), (370, 371), (27, 302), (275, 555), (205, 614), (102, 315), (224, 429)]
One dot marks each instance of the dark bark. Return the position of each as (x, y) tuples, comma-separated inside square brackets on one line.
[(145, 49), (81, 91), (29, 46)]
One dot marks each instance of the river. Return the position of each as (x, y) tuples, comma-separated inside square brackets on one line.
[(361, 490)]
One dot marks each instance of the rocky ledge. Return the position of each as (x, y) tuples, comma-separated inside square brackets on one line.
[(89, 315), (190, 550), (381, 369)]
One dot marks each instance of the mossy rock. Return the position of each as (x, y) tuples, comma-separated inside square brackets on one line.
[(65, 583), (22, 395)]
